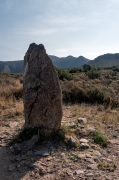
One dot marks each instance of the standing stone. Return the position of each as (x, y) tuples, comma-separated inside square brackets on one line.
[(42, 93)]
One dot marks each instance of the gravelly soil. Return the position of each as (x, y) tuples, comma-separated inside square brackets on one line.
[(59, 161)]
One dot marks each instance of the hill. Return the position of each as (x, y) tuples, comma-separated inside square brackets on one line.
[(64, 62), (11, 66), (106, 60), (69, 61)]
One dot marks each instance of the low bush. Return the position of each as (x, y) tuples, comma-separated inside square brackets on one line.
[(95, 95), (113, 73), (74, 95), (93, 74), (64, 74), (75, 70), (100, 139), (87, 67)]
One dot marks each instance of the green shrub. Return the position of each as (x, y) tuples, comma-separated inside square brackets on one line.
[(74, 95), (64, 74), (107, 101), (115, 69), (75, 70), (95, 95), (93, 74), (87, 67), (113, 73), (100, 139)]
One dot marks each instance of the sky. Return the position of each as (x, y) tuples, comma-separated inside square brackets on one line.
[(86, 28)]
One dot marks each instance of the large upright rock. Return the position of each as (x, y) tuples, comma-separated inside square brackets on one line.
[(42, 93)]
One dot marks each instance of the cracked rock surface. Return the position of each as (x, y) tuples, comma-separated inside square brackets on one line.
[(42, 93)]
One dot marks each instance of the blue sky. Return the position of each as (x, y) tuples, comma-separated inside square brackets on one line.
[(65, 27)]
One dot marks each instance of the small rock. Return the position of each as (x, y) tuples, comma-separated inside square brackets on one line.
[(32, 166), (79, 172), (91, 130), (69, 173), (89, 160), (43, 152), (88, 156), (114, 111), (82, 120), (81, 156), (72, 125), (89, 174), (49, 158), (93, 146), (84, 145), (72, 141), (81, 126), (97, 153), (84, 140), (92, 166)]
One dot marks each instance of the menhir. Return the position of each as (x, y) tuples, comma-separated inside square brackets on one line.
[(42, 92)]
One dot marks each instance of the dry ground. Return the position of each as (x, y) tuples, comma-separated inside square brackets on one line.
[(53, 159), (63, 162)]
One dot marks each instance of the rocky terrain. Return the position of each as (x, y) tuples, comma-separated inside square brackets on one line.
[(86, 147), (76, 157)]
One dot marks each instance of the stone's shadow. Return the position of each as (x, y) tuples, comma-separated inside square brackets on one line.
[(22, 166), (21, 160)]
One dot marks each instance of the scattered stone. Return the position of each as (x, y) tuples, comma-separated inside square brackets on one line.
[(42, 152), (89, 174), (84, 145), (49, 158), (84, 140), (32, 166), (90, 130), (88, 156), (81, 156), (93, 146), (92, 166), (69, 173), (42, 92), (79, 172), (72, 125), (90, 160), (81, 126), (73, 141), (82, 120), (97, 153), (114, 111)]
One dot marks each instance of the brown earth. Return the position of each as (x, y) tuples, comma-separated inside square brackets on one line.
[(61, 160)]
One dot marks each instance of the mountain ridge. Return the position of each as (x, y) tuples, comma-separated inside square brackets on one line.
[(105, 60)]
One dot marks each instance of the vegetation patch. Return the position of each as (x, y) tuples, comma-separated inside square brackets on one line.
[(100, 139), (107, 166), (64, 74)]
